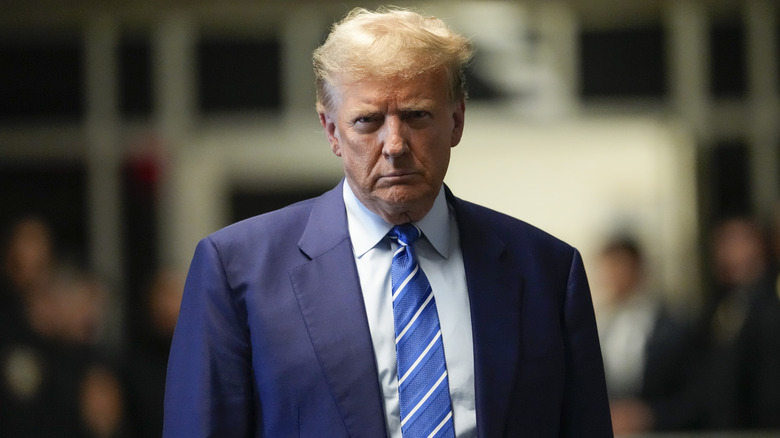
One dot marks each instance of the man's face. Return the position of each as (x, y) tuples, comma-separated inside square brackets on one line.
[(394, 139)]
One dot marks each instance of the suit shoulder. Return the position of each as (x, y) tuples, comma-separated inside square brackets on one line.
[(266, 228)]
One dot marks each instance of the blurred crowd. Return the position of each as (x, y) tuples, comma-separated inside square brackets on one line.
[(718, 369), (59, 376)]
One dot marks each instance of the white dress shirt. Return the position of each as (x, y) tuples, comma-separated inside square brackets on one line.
[(624, 331), (440, 257)]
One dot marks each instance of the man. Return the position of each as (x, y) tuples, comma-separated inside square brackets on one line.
[(649, 354), (742, 390), (292, 322)]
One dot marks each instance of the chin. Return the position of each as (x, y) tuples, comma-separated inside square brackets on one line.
[(406, 197)]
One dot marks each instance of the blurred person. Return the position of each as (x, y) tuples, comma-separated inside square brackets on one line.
[(287, 324), (744, 327), (148, 361), (82, 300), (98, 392), (48, 341), (164, 299), (37, 390), (648, 353), (29, 253), (37, 383), (27, 264), (94, 377), (101, 403)]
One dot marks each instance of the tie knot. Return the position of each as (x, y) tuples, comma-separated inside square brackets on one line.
[(406, 234)]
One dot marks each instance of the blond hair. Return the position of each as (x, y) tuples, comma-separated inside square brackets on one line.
[(389, 43)]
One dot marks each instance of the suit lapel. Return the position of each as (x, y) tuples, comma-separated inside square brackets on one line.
[(495, 296), (331, 302)]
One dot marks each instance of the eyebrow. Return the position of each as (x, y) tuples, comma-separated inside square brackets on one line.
[(353, 114), (422, 103)]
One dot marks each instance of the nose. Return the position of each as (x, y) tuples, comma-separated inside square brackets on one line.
[(395, 143)]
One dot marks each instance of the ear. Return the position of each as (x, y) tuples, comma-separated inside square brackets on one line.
[(458, 118), (329, 125)]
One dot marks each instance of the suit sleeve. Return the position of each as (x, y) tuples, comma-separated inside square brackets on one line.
[(209, 391), (586, 406)]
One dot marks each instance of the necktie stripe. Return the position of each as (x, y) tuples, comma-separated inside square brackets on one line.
[(424, 399), (412, 349), (441, 425), (414, 318), (405, 282), (424, 354), (418, 384), (417, 350), (408, 301), (425, 423)]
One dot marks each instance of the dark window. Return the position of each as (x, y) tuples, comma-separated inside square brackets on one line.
[(41, 79), (728, 60), (247, 202), (135, 77), (623, 63), (237, 74), (731, 179)]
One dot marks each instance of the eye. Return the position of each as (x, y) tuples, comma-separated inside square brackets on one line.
[(417, 119), (417, 114), (367, 123), (366, 119)]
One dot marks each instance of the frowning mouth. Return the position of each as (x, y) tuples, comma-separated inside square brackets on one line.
[(398, 177)]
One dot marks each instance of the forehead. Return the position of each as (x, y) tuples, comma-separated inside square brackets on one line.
[(428, 87)]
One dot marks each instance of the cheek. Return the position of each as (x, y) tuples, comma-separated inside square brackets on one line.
[(359, 158), (436, 156)]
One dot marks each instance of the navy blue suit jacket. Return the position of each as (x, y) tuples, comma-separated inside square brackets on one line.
[(273, 340)]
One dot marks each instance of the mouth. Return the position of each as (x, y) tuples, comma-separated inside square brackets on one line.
[(398, 173), (398, 177)]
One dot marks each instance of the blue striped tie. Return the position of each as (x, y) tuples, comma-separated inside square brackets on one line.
[(423, 386)]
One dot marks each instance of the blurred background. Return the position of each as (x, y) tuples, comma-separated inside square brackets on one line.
[(131, 129)]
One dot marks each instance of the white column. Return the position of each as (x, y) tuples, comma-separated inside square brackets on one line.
[(688, 47), (103, 158), (174, 67), (559, 30), (301, 33)]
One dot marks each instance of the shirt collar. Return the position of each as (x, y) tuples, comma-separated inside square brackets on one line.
[(367, 229)]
